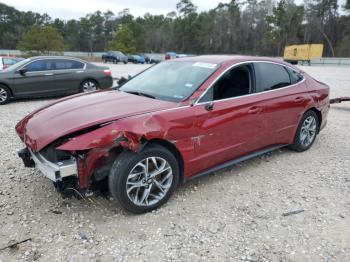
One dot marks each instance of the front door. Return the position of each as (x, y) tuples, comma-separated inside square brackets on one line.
[(37, 80), (228, 123)]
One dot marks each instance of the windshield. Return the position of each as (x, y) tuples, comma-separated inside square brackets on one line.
[(118, 53), (171, 81), (17, 65)]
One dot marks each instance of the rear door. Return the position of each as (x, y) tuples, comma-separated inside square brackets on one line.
[(285, 97), (68, 75), (38, 80)]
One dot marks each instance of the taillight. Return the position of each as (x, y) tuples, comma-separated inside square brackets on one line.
[(167, 57), (107, 72), (5, 66)]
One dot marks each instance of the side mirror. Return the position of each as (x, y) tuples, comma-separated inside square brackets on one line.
[(122, 81), (209, 106), (23, 71)]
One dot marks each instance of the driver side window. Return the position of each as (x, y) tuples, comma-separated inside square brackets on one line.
[(234, 83), (39, 65)]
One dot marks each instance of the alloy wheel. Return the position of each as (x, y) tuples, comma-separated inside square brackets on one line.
[(89, 86), (308, 131), (3, 95), (149, 181)]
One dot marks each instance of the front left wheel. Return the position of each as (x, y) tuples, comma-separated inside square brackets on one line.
[(143, 181)]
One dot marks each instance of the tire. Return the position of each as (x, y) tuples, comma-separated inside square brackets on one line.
[(307, 131), (148, 194), (88, 85), (5, 95), (125, 63)]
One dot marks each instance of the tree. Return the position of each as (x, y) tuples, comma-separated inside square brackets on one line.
[(123, 41), (347, 5), (255, 27), (185, 25), (186, 7), (42, 39), (283, 24)]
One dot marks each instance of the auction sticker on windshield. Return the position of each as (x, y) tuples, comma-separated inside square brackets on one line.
[(205, 65)]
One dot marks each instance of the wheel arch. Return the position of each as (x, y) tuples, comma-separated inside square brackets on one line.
[(319, 116), (6, 85), (173, 149), (89, 78)]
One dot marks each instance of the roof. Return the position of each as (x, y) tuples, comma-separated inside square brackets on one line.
[(56, 57), (221, 59)]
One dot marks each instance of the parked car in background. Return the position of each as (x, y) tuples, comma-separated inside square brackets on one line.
[(155, 58), (146, 57), (170, 55), (51, 76), (136, 59), (115, 57), (178, 120), (7, 61), (181, 55)]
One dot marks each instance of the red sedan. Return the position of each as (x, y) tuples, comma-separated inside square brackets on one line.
[(178, 120)]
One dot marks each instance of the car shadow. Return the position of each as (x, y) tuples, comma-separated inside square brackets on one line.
[(233, 170)]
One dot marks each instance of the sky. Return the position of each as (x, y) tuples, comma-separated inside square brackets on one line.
[(73, 9)]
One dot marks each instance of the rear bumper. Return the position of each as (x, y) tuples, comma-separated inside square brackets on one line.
[(54, 171), (106, 82)]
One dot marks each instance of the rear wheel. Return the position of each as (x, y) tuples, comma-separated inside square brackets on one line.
[(143, 181), (307, 132), (5, 95), (88, 86)]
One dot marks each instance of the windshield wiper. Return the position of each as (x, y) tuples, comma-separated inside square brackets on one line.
[(140, 94)]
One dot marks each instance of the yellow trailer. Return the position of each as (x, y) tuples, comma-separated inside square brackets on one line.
[(295, 53)]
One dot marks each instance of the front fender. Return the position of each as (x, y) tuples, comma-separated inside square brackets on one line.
[(128, 133)]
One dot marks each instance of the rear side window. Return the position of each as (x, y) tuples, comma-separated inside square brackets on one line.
[(68, 64), (270, 76), (295, 76), (39, 65), (9, 61)]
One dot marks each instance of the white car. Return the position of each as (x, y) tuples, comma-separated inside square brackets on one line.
[(6, 61)]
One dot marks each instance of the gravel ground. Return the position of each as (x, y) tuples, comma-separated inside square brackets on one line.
[(233, 215)]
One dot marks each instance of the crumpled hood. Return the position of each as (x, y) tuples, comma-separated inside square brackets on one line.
[(79, 112)]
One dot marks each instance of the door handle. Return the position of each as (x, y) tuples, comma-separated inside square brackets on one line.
[(48, 74), (299, 99), (254, 110)]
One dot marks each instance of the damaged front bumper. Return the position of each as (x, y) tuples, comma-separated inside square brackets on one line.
[(54, 171)]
